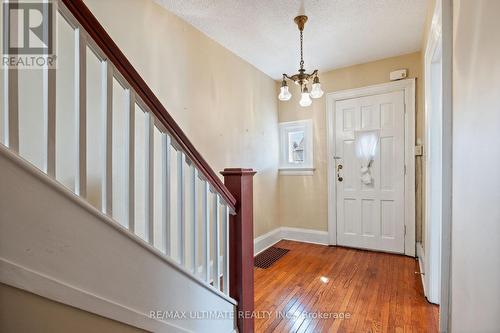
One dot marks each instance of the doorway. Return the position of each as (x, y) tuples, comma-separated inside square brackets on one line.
[(438, 160), (373, 212)]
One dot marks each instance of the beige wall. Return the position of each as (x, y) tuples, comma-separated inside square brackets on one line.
[(303, 199), (21, 311), (427, 25), (226, 107)]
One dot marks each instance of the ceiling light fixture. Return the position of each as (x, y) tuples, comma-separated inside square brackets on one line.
[(301, 78)]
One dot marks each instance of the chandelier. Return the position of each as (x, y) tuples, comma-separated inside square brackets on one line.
[(301, 78)]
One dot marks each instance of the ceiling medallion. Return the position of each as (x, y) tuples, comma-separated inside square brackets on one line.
[(301, 78)]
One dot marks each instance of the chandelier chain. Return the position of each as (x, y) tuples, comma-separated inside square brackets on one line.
[(301, 51)]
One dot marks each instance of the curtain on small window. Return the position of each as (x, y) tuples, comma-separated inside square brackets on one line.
[(366, 146)]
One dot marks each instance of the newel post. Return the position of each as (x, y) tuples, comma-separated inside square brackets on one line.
[(240, 183)]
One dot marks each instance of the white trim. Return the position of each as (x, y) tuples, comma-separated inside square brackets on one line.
[(305, 125), (296, 171), (408, 86), (330, 172), (45, 286), (447, 79), (28, 167), (421, 263), (267, 240), (432, 244), (305, 235), (442, 27)]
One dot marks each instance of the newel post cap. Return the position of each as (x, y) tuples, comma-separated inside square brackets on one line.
[(238, 172)]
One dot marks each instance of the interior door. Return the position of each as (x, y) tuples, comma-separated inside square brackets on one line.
[(371, 216)]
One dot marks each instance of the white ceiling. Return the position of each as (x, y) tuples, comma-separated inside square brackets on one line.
[(339, 33)]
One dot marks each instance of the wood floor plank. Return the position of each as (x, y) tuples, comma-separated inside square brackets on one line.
[(339, 292), (333, 299), (380, 292), (321, 290)]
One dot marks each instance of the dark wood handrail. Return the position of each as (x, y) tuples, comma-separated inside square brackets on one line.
[(97, 32)]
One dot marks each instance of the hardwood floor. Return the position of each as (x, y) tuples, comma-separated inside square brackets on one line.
[(376, 292)]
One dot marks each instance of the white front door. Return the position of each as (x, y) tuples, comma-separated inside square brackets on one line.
[(371, 216)]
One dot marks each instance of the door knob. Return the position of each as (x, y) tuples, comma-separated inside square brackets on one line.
[(340, 179)]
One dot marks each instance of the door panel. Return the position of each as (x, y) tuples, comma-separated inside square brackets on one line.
[(371, 216), (368, 216), (386, 148)]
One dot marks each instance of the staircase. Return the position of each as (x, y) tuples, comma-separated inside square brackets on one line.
[(106, 206)]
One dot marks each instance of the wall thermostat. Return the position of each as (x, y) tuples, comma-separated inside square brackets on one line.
[(398, 75)]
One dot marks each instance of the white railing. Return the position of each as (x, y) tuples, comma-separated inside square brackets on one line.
[(87, 128)]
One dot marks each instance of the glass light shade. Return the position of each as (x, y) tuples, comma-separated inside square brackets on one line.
[(305, 100), (284, 95), (316, 91)]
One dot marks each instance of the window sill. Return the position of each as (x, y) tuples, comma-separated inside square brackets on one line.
[(296, 171)]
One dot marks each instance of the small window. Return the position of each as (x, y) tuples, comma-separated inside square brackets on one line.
[(296, 148)]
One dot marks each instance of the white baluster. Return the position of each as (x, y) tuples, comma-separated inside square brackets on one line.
[(216, 242), (206, 232), (194, 230), (49, 115), (150, 179), (11, 109), (167, 190), (107, 109), (81, 108), (225, 252), (11, 97), (131, 162), (181, 208), (5, 108)]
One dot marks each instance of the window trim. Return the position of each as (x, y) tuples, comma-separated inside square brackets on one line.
[(307, 167)]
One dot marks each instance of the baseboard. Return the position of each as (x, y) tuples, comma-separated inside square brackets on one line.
[(266, 240), (305, 235), (296, 234), (421, 264)]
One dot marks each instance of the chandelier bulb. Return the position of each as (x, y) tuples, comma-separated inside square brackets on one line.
[(284, 95), (305, 99), (316, 91)]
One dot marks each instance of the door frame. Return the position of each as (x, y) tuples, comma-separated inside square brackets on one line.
[(408, 87), (442, 27), (432, 247)]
